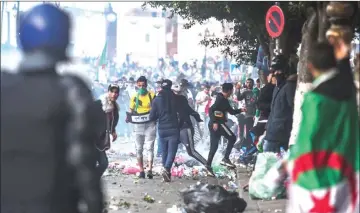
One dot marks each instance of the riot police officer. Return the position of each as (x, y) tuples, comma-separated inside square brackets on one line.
[(47, 147)]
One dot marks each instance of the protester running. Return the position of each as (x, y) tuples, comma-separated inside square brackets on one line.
[(144, 128), (186, 128), (217, 125), (111, 113), (164, 112)]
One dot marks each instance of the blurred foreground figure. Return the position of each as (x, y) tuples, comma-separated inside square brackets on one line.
[(324, 163), (47, 147)]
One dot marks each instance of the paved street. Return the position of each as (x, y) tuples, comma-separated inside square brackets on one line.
[(125, 193), (125, 189)]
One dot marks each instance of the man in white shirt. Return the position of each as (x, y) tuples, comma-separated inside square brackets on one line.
[(202, 99)]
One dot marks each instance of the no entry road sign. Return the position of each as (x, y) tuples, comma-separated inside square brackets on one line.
[(275, 21)]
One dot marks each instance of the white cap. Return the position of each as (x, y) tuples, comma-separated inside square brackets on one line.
[(175, 87)]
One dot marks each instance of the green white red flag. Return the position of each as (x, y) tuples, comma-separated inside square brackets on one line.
[(102, 59), (324, 163)]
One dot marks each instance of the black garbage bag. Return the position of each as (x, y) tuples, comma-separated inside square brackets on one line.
[(206, 198), (192, 163)]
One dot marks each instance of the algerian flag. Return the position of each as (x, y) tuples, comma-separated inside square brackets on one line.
[(324, 162), (102, 60), (101, 74), (243, 78)]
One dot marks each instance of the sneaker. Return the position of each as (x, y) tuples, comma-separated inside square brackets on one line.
[(141, 175), (210, 171), (166, 175), (227, 162), (150, 175)]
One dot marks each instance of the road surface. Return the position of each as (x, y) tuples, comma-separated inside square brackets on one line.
[(125, 193)]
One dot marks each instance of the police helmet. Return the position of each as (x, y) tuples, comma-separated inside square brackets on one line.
[(45, 26)]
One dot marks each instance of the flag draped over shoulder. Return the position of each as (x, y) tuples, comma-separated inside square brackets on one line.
[(324, 163)]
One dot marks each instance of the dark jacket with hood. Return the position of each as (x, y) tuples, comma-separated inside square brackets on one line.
[(222, 105), (47, 129), (264, 101), (108, 123), (280, 120), (184, 111), (163, 110)]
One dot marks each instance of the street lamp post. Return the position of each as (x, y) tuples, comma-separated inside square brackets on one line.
[(111, 31), (204, 62)]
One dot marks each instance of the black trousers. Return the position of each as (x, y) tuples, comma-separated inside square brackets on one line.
[(102, 162), (215, 136), (187, 139), (249, 123)]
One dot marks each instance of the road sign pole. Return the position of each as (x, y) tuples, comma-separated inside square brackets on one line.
[(277, 50), (275, 23)]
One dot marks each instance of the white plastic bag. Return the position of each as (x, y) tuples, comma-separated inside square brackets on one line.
[(264, 185)]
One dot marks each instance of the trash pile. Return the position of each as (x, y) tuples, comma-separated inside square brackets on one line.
[(192, 169), (116, 204), (118, 167), (268, 180), (208, 198), (184, 167)]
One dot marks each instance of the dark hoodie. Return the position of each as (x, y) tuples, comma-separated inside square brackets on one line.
[(184, 111), (163, 110), (264, 101), (280, 120), (221, 104)]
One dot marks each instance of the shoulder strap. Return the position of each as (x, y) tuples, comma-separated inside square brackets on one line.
[(136, 102), (149, 94)]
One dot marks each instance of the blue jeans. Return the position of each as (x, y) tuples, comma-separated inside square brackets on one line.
[(169, 146), (159, 144), (271, 146), (252, 135)]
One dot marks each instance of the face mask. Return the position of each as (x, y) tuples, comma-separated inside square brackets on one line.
[(142, 91), (280, 78)]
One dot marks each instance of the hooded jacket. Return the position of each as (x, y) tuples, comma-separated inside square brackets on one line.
[(110, 112), (163, 110), (279, 125), (264, 101), (222, 105), (184, 111)]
